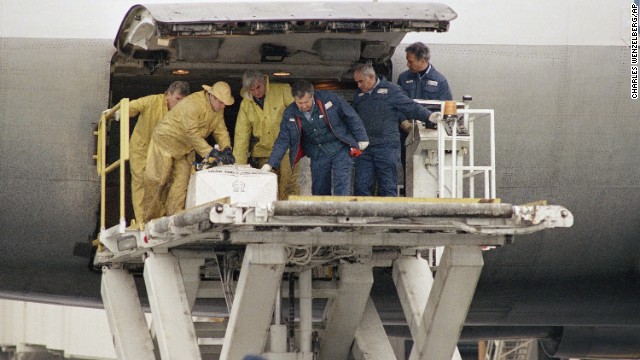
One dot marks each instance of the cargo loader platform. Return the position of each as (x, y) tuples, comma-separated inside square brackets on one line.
[(295, 237), (351, 221), (236, 242)]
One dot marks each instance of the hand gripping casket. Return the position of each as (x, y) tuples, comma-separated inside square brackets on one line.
[(244, 185)]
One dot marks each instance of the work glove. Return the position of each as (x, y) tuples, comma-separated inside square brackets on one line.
[(266, 167), (406, 126), (226, 156), (363, 145), (115, 116), (435, 117), (214, 156)]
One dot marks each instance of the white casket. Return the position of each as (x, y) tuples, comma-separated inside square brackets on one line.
[(243, 184)]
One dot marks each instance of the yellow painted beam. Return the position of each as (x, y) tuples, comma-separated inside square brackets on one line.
[(536, 203)]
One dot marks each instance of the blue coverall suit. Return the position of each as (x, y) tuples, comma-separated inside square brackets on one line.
[(326, 138), (431, 86), (381, 110)]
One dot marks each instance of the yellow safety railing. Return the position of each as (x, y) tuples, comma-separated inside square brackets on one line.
[(101, 161)]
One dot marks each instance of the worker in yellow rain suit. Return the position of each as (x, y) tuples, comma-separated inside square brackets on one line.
[(150, 110), (183, 130), (258, 124)]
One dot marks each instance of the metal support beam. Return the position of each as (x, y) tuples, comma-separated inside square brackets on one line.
[(448, 301), (346, 311), (371, 342), (170, 308), (128, 325), (414, 281), (190, 269), (388, 209), (306, 310), (252, 310), (364, 239)]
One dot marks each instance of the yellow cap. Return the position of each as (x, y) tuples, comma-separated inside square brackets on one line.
[(221, 91)]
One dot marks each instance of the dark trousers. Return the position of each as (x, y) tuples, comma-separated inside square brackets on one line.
[(378, 162), (332, 170)]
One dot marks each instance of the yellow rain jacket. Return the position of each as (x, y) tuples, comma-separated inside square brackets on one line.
[(151, 109), (263, 124), (183, 130), (188, 124)]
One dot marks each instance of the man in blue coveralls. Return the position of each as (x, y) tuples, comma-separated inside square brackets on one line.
[(381, 105), (322, 126), (422, 80)]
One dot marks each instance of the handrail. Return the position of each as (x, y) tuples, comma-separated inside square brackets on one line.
[(462, 147), (489, 171), (103, 169)]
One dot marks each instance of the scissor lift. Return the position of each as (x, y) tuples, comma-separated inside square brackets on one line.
[(249, 255)]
